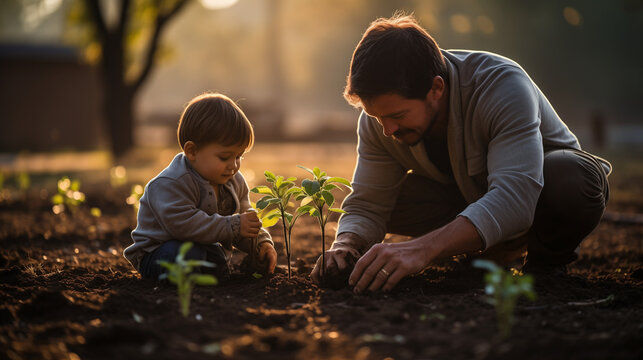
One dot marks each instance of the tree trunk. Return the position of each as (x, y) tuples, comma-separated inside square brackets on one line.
[(118, 97), (120, 119)]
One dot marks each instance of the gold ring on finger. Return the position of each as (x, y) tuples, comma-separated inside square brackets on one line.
[(386, 273)]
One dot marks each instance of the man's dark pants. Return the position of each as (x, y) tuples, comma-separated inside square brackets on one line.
[(570, 206)]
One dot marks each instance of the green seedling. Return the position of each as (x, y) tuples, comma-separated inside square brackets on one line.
[(180, 273), (134, 199), (69, 196), (504, 288), (316, 196), (24, 182), (275, 203)]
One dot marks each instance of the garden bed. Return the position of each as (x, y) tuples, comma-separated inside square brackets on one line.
[(66, 292)]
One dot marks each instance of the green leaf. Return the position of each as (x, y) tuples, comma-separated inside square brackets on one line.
[(262, 190), (57, 199), (269, 175), (292, 178), (305, 200), (337, 210), (203, 279), (329, 187), (307, 169), (328, 197), (278, 182), (304, 209), (289, 217), (310, 186), (339, 180), (302, 196), (314, 212), (485, 264), (268, 222), (75, 185), (195, 263), (265, 201), (184, 249), (292, 191)]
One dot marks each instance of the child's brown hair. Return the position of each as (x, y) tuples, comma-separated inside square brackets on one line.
[(214, 118)]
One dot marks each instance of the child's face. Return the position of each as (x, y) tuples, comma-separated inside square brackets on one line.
[(216, 163)]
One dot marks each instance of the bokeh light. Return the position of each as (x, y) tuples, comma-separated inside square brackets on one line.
[(572, 16)]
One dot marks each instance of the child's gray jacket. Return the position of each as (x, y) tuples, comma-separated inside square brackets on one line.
[(180, 204)]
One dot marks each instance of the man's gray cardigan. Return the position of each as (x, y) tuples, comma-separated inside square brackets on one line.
[(179, 204), (500, 124)]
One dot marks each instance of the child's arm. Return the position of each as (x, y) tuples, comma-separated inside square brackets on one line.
[(245, 244), (174, 206)]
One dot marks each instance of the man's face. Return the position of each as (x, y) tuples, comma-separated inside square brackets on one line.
[(406, 120)]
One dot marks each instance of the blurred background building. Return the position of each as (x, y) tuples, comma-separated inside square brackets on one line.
[(285, 62)]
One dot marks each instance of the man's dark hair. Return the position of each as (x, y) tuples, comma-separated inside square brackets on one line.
[(395, 55)]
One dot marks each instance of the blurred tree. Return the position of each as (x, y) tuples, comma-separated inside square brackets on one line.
[(114, 44)]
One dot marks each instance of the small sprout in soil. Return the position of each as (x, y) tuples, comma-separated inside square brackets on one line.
[(69, 196), (135, 197), (505, 287), (275, 203), (180, 273), (317, 194), (96, 212), (138, 318), (24, 182)]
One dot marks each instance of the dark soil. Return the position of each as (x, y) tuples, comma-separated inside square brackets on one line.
[(66, 292)]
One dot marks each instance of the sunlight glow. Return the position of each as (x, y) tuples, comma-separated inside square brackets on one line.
[(572, 16), (217, 4), (35, 12), (460, 23)]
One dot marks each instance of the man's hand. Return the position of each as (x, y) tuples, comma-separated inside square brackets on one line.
[(250, 224), (267, 258), (384, 265), (341, 256)]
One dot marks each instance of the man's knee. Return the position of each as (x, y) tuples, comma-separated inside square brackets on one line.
[(575, 183)]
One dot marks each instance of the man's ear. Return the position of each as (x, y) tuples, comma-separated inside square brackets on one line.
[(189, 149), (437, 89)]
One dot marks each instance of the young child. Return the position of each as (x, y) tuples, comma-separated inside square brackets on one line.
[(201, 196)]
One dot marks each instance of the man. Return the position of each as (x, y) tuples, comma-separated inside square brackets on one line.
[(461, 151)]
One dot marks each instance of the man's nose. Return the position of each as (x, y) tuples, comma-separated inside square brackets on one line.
[(389, 127)]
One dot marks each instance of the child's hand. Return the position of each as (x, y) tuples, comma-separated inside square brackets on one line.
[(250, 224), (267, 258)]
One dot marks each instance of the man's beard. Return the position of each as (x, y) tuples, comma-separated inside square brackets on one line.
[(420, 136)]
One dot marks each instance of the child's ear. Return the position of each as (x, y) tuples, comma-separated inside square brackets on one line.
[(189, 149)]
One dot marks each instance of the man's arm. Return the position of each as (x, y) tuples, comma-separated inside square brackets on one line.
[(510, 118)]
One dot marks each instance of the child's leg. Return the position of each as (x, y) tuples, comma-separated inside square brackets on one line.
[(216, 255), (149, 267)]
